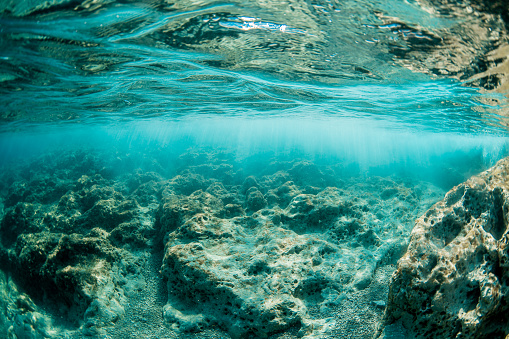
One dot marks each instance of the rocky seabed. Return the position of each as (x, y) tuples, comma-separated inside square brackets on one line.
[(206, 246)]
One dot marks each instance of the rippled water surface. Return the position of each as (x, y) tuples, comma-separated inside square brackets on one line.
[(358, 68), (94, 62)]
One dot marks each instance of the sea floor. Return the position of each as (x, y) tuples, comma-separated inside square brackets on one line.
[(199, 244)]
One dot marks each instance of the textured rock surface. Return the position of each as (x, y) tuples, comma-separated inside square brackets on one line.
[(70, 232), (198, 245), (20, 317), (453, 280), (282, 249)]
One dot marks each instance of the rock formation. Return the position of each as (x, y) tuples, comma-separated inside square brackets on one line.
[(453, 281), (212, 245), (253, 258)]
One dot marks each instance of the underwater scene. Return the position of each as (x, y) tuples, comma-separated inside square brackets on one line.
[(254, 169)]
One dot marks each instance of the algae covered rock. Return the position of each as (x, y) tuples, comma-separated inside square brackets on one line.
[(294, 254), (255, 199), (70, 230), (72, 271), (243, 279), (453, 280), (20, 317), (213, 249)]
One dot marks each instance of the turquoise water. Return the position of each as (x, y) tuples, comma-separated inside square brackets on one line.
[(362, 96), (367, 71), (362, 73)]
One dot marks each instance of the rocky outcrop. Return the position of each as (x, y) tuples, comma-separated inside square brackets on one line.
[(253, 259), (453, 281), (215, 248), (71, 231)]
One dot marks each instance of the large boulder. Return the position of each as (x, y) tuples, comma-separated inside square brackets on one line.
[(453, 280)]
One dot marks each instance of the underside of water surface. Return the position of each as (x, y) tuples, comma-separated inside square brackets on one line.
[(248, 169)]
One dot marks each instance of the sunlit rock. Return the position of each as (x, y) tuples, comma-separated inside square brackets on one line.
[(260, 270), (453, 279)]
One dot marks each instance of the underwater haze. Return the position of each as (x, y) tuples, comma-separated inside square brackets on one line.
[(232, 169)]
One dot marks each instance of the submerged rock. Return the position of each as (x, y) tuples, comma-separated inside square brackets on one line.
[(453, 280), (287, 249), (73, 240), (251, 281), (260, 271), (20, 317), (73, 273)]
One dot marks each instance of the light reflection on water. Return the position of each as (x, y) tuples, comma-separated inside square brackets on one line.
[(384, 60)]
